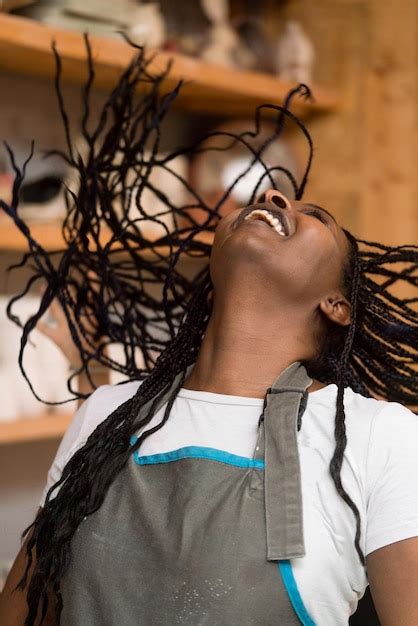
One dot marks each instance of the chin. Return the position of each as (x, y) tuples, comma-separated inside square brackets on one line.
[(254, 239), (246, 255)]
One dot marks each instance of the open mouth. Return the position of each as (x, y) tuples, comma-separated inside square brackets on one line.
[(272, 219)]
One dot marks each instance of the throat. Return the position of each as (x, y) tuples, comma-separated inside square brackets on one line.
[(243, 351)]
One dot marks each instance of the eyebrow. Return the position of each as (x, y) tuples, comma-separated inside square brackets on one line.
[(316, 206)]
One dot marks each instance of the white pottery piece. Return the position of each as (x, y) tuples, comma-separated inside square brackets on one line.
[(101, 10), (217, 11), (223, 46), (152, 206), (295, 54), (45, 365), (148, 26)]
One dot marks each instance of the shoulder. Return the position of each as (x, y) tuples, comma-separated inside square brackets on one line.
[(380, 466), (103, 402), (373, 427), (393, 436), (93, 411), (389, 468), (386, 424), (361, 412), (109, 397), (377, 430)]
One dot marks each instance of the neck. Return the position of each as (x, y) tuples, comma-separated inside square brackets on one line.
[(244, 350)]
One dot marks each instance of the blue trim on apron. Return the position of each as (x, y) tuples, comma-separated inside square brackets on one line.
[(285, 569), (197, 452)]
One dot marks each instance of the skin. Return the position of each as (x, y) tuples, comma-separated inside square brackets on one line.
[(272, 299), (264, 283)]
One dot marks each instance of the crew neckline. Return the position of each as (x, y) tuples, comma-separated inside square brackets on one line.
[(221, 398)]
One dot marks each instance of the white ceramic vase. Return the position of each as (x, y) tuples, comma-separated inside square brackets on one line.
[(150, 203), (148, 26), (295, 54)]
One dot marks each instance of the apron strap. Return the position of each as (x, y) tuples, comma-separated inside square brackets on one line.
[(283, 494), (285, 402)]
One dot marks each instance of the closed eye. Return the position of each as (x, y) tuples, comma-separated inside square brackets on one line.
[(318, 214)]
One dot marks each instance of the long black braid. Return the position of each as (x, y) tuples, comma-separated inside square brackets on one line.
[(376, 355)]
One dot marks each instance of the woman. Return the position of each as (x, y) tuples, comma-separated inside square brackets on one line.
[(198, 530), (247, 479)]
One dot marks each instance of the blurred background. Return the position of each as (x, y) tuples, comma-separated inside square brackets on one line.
[(358, 56)]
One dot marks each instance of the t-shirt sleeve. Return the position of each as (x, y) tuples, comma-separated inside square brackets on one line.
[(71, 441), (392, 477), (92, 412)]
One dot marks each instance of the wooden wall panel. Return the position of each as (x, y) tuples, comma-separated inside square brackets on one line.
[(390, 200), (366, 155)]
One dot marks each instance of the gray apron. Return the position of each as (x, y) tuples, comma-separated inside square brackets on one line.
[(194, 536)]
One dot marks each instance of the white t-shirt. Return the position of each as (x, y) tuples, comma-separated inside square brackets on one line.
[(384, 433), (380, 472)]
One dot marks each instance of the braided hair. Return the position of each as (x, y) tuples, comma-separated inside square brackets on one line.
[(105, 233)]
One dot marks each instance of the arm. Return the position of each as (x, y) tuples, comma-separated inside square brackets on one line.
[(393, 577), (13, 605), (392, 515)]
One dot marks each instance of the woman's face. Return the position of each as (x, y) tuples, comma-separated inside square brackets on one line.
[(294, 247)]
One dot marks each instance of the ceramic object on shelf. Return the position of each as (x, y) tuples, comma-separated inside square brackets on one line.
[(259, 51), (217, 11), (186, 26), (118, 13), (45, 365), (148, 207), (98, 17), (41, 197), (147, 26), (295, 54), (221, 47), (42, 191), (224, 45)]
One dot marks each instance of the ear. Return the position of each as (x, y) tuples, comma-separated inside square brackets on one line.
[(337, 309)]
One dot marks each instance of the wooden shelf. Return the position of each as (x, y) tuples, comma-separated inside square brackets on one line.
[(25, 47), (51, 426), (49, 236)]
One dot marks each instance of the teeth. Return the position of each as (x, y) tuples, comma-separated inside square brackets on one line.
[(267, 217)]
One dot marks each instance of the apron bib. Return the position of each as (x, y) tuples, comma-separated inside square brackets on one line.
[(194, 536)]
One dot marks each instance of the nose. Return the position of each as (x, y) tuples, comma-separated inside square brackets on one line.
[(272, 196)]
